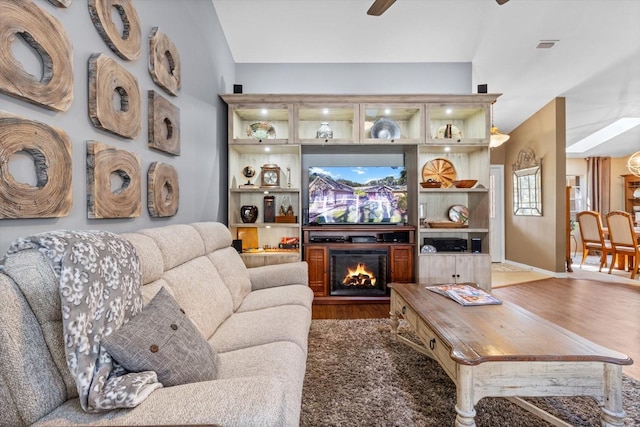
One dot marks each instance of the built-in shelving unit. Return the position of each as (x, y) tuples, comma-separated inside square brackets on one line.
[(454, 128)]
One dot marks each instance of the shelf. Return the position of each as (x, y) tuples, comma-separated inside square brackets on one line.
[(451, 190), (293, 225), (424, 230), (264, 190)]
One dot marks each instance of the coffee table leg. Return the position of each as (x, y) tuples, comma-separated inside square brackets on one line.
[(612, 411), (465, 411), (394, 326)]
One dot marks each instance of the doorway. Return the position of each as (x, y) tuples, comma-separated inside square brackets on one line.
[(496, 213)]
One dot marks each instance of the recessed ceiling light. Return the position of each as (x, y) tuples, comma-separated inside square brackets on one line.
[(546, 44), (264, 111), (325, 111), (448, 111), (387, 111), (603, 135)]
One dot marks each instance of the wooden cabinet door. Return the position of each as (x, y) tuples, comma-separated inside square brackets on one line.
[(435, 269), (474, 268), (402, 264), (316, 257)]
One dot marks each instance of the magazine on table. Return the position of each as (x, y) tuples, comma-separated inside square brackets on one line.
[(465, 293)]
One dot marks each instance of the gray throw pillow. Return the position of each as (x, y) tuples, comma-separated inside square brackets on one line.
[(163, 339)]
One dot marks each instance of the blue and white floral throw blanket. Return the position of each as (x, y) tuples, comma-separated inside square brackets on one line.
[(100, 289)]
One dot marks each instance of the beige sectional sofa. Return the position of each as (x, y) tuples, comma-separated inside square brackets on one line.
[(257, 320)]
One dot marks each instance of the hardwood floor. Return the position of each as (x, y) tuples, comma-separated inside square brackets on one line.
[(606, 313)]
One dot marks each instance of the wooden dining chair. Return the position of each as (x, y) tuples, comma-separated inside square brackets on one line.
[(593, 238), (623, 238)]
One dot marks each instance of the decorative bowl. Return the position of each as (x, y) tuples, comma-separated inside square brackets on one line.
[(261, 130), (464, 183), (447, 224), (431, 184), (385, 129)]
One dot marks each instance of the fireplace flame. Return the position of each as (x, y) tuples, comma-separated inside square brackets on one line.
[(359, 276)]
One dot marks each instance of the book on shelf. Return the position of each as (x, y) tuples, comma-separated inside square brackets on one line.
[(465, 293)]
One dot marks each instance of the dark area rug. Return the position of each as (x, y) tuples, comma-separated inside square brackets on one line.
[(357, 376)]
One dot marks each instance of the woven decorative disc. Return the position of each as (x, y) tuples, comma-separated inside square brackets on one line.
[(440, 170)]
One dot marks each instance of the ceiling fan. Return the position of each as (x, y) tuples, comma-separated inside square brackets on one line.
[(380, 6)]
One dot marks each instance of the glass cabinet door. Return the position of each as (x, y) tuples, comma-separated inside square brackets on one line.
[(251, 124), (449, 123), (330, 123), (392, 123)]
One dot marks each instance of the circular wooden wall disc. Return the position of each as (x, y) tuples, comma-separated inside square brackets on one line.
[(60, 3), (127, 45), (50, 149), (164, 124), (440, 170), (163, 190), (164, 62), (47, 37), (102, 162), (106, 80)]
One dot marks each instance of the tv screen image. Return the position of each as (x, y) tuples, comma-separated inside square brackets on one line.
[(357, 194)]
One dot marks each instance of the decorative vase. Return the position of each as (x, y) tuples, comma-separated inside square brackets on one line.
[(447, 131), (324, 131), (249, 213)]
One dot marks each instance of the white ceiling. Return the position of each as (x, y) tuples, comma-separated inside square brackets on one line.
[(595, 64)]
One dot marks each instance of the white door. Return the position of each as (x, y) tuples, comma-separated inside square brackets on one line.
[(496, 213)]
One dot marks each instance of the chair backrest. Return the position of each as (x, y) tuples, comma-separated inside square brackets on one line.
[(621, 232), (590, 227)]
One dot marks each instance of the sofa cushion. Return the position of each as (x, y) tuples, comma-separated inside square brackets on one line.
[(163, 339), (273, 297), (234, 402), (280, 359), (178, 243), (233, 272), (251, 328), (201, 292), (214, 235), (151, 263)]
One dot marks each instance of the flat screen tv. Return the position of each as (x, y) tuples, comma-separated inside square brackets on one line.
[(357, 195)]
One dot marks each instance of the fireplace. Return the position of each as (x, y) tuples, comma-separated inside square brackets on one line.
[(356, 272)]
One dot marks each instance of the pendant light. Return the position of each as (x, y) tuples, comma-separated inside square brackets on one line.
[(633, 164), (497, 138)]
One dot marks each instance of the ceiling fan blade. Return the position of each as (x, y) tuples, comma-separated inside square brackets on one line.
[(379, 7), (501, 2)]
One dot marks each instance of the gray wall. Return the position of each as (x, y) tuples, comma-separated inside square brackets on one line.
[(207, 70), (449, 78)]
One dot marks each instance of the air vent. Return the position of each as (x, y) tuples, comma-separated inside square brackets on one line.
[(546, 44)]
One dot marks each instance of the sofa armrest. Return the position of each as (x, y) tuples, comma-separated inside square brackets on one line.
[(269, 276)]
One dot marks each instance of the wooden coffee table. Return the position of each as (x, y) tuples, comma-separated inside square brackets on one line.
[(506, 351)]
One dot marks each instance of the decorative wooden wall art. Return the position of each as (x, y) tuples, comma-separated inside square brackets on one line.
[(104, 161), (164, 124), (163, 190), (47, 37), (60, 3), (50, 149), (107, 80), (164, 62), (127, 45)]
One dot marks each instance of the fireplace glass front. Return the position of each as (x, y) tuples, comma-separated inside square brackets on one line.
[(358, 272)]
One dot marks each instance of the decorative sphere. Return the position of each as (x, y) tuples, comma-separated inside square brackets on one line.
[(249, 172), (633, 164)]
